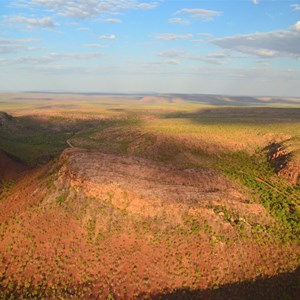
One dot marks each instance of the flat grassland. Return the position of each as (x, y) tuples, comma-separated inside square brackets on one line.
[(127, 196)]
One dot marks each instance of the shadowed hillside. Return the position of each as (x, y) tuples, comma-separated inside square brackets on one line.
[(284, 286), (10, 167)]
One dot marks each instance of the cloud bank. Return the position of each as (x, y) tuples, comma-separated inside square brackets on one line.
[(10, 46), (45, 22), (281, 43), (85, 9)]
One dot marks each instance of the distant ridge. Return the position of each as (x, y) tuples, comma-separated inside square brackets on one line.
[(152, 97)]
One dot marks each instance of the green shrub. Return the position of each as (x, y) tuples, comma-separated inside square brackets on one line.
[(61, 198)]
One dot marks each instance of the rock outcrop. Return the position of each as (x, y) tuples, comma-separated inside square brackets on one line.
[(283, 162), (4, 118)]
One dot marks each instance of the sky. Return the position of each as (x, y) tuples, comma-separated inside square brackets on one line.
[(241, 47)]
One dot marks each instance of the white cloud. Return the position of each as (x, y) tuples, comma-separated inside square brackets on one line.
[(16, 41), (217, 58), (36, 48), (107, 37), (172, 62), (45, 22), (80, 56), (207, 35), (173, 36), (84, 9), (197, 41), (199, 13), (283, 43), (33, 60), (83, 29), (217, 55), (297, 26), (94, 45), (60, 69), (204, 37), (150, 66), (55, 57), (295, 6), (255, 2), (147, 5), (24, 40), (10, 49), (179, 21), (172, 53), (9, 46), (112, 21)]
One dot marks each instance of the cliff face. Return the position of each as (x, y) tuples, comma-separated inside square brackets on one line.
[(283, 162)]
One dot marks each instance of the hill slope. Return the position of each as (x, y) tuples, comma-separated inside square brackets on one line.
[(152, 200), (105, 225)]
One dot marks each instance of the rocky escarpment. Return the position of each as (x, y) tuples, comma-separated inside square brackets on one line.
[(291, 172), (144, 187), (4, 118), (283, 162)]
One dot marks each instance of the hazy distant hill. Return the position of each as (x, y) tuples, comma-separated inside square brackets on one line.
[(234, 100)]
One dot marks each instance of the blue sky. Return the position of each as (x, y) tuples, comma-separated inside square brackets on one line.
[(241, 47)]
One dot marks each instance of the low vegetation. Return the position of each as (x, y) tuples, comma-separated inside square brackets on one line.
[(150, 200)]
